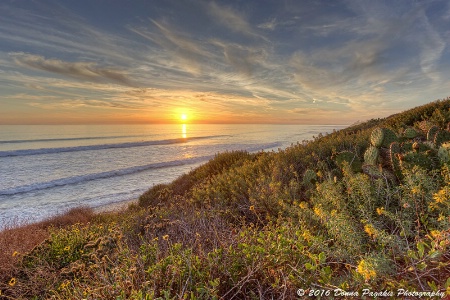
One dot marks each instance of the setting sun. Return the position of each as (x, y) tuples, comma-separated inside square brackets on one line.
[(183, 117)]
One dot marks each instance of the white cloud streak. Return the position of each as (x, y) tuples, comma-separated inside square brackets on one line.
[(79, 70)]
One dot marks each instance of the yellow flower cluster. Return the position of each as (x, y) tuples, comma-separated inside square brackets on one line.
[(319, 212), (366, 269), (380, 210), (415, 190), (303, 205), (65, 284), (307, 235), (442, 196), (370, 230)]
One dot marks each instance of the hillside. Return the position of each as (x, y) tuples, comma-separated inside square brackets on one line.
[(364, 209)]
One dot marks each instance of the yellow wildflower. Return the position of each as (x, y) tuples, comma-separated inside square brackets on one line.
[(441, 196), (307, 235), (370, 230), (366, 269), (67, 248), (415, 190), (155, 239), (435, 233), (380, 210), (165, 237), (15, 254), (12, 282), (252, 207), (318, 211), (303, 205)]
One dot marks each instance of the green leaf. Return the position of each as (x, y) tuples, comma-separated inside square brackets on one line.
[(447, 283), (309, 266), (434, 253), (322, 257), (421, 248), (432, 285), (421, 266), (412, 254)]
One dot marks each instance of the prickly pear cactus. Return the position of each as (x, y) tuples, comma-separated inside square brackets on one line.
[(420, 159), (431, 133), (371, 156), (309, 177), (382, 137), (440, 137), (376, 137), (350, 158), (406, 147), (376, 172), (444, 153), (410, 133)]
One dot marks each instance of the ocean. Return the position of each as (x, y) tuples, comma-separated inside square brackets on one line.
[(46, 170)]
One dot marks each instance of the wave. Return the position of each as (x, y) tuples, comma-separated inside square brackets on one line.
[(69, 139), (101, 175), (125, 171), (26, 152)]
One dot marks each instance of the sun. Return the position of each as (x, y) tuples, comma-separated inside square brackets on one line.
[(183, 117)]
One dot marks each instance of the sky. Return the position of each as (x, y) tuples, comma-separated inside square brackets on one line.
[(239, 61)]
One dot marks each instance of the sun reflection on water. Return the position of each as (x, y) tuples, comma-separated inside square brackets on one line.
[(183, 131)]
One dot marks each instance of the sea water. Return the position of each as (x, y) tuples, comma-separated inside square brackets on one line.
[(46, 170)]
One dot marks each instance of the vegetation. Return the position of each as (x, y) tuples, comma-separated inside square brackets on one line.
[(367, 207)]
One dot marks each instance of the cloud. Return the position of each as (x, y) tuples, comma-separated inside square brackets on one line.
[(232, 20), (243, 59), (79, 70), (270, 25), (432, 48), (189, 53)]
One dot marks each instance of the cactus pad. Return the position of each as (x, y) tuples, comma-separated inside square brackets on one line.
[(375, 172), (440, 137), (309, 177), (382, 137), (431, 133), (420, 159), (371, 156), (410, 133), (444, 153)]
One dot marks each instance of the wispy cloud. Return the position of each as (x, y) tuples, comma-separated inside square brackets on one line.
[(188, 53), (80, 70), (232, 19)]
